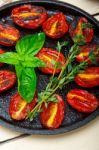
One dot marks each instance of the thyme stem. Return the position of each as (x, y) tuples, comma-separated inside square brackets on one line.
[(65, 78)]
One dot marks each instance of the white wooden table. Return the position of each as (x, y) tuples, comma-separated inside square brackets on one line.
[(85, 138)]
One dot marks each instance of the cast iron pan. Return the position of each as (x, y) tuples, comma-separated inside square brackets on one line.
[(73, 119)]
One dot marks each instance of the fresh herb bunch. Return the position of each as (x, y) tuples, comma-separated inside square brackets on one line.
[(67, 75), (25, 63)]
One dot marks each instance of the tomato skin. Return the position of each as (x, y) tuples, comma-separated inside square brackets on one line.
[(52, 116), (56, 26), (1, 52), (19, 109), (8, 35), (33, 16), (7, 80), (88, 78), (47, 55), (85, 51), (75, 29), (82, 100)]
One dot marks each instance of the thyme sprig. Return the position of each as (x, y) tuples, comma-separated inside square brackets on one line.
[(67, 75)]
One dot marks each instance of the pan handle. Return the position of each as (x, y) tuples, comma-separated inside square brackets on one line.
[(96, 14)]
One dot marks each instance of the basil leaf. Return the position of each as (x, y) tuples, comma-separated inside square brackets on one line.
[(30, 44), (9, 58), (18, 69), (33, 62), (27, 84)]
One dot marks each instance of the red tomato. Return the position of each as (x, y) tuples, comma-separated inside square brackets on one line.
[(29, 16), (1, 52), (88, 78), (19, 108), (8, 35), (53, 115), (56, 26), (7, 80), (82, 100), (51, 58), (76, 30), (85, 51)]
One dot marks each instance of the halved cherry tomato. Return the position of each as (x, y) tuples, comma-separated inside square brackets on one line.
[(56, 26), (7, 80), (80, 31), (19, 108), (85, 51), (53, 115), (88, 78), (82, 100), (8, 35), (29, 16), (1, 52), (51, 58)]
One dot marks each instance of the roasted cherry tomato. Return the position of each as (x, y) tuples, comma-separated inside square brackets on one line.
[(85, 52), (53, 115), (81, 31), (56, 26), (88, 78), (51, 58), (8, 35), (29, 16), (82, 100), (7, 80), (19, 108), (1, 52)]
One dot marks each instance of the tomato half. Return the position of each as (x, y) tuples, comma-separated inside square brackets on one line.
[(19, 108), (82, 100), (29, 16), (56, 26), (81, 30), (51, 58), (85, 52), (88, 78), (7, 80), (1, 52), (8, 35), (53, 115)]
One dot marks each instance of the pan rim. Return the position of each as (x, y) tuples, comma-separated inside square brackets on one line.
[(75, 8), (60, 130)]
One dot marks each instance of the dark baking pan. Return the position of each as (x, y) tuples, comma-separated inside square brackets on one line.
[(73, 119)]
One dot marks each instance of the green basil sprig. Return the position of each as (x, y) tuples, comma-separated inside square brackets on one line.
[(25, 61)]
